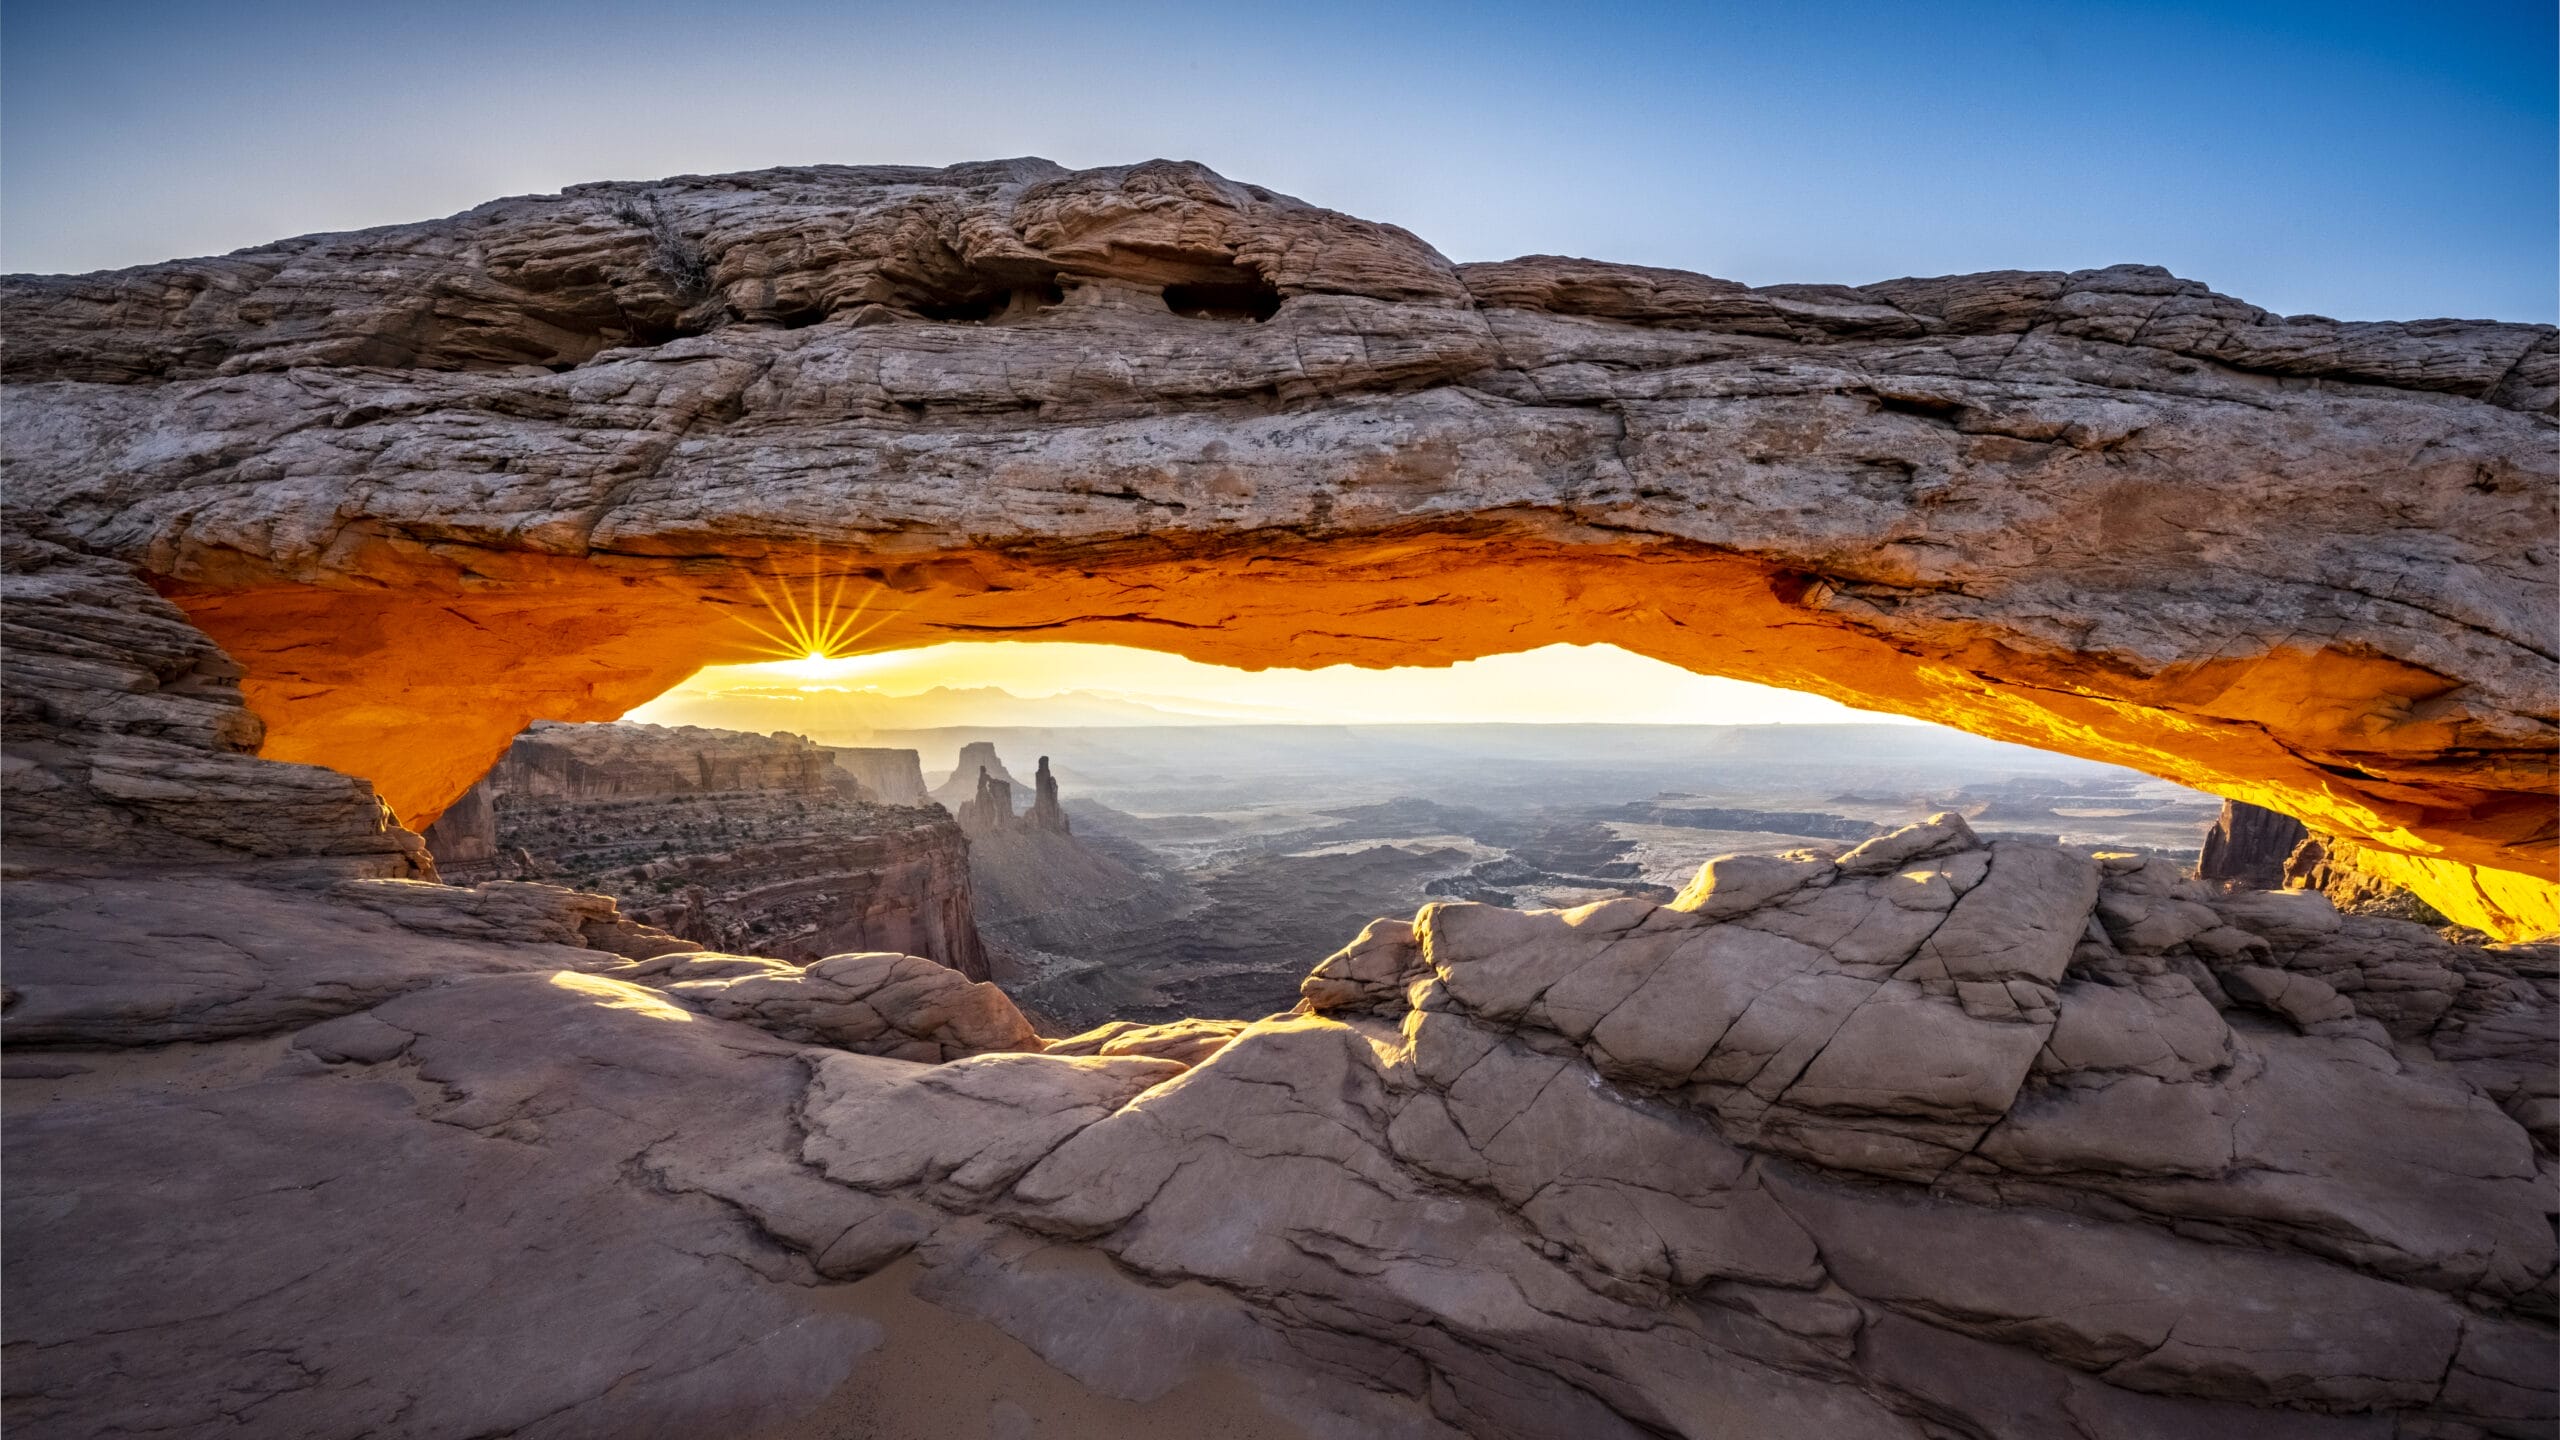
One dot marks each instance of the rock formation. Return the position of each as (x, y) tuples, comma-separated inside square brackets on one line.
[(990, 810), (963, 785), (2356, 880), (1924, 1138), (1060, 915), (2249, 846), (894, 777), (125, 734), (732, 841), (1044, 813), (425, 483)]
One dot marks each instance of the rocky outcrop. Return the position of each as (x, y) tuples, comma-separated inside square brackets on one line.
[(990, 810), (735, 842), (902, 1006), (603, 762), (962, 785), (1924, 1137), (125, 734), (894, 777), (1044, 813), (1057, 913), (428, 482), (2249, 846)]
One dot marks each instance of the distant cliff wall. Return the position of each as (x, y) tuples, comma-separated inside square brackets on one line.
[(894, 777), (762, 844), (961, 785)]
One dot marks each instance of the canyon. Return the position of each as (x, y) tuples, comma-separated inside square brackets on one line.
[(756, 843), (1918, 1129)]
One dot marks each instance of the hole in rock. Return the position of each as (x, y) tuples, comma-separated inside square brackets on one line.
[(1942, 411), (420, 692), (1007, 302), (1123, 834), (1245, 299)]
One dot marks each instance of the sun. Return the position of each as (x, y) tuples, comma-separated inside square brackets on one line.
[(811, 631)]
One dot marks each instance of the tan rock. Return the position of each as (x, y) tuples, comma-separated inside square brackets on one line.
[(880, 1004), (537, 459)]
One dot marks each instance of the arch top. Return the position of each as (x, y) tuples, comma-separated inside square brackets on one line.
[(429, 482)]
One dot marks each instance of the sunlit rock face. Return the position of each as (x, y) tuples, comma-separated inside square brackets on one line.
[(543, 459)]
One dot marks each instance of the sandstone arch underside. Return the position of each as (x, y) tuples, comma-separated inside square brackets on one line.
[(548, 457)]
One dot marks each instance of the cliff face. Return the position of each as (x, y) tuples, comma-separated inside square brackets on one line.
[(750, 843), (2249, 846), (596, 762), (426, 482), (894, 777)]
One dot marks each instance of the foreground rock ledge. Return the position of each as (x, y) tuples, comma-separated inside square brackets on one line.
[(1926, 1138), (429, 482)]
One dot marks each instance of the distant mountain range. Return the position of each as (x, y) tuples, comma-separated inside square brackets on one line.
[(849, 715)]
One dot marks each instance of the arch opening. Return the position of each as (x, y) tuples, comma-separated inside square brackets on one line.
[(419, 686)]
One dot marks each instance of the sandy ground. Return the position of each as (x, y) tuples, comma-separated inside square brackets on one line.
[(939, 1375)]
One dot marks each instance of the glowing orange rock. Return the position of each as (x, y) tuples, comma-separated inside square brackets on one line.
[(431, 482)]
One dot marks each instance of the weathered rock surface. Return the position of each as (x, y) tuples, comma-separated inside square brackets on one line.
[(1045, 813), (733, 841), (428, 482), (1925, 1137), (125, 733), (989, 809), (902, 1006)]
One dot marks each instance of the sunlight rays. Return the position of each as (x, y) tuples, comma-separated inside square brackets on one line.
[(818, 629)]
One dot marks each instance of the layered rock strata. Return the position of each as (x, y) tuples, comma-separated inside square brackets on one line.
[(428, 482), (123, 731), (735, 842), (1926, 1137)]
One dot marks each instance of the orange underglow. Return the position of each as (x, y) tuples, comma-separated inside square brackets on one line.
[(418, 678), (814, 626)]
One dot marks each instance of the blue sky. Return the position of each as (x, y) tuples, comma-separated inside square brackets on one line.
[(2363, 161)]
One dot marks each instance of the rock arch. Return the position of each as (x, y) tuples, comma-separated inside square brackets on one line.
[(428, 482)]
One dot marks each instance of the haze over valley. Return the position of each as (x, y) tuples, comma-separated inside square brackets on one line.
[(1228, 832)]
